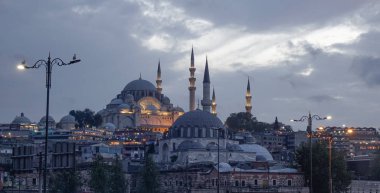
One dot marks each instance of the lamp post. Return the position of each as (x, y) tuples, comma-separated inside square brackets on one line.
[(218, 182), (48, 64), (330, 139), (309, 119)]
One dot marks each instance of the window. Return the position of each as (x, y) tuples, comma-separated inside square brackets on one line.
[(236, 183), (34, 181), (173, 146), (243, 183), (274, 182), (212, 182), (289, 182), (256, 183)]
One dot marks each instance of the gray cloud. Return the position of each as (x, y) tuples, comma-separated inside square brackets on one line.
[(289, 48), (368, 69)]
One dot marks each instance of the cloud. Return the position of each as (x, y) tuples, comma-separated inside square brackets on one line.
[(367, 68), (324, 98)]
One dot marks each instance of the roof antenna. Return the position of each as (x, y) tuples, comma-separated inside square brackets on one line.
[(140, 76)]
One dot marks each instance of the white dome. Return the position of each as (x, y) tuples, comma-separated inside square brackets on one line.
[(262, 154), (21, 120), (68, 119), (109, 127)]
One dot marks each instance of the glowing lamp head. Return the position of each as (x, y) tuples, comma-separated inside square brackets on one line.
[(22, 65), (329, 117), (349, 131), (292, 120), (321, 128)]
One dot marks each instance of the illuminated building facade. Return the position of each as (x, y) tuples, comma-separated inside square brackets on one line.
[(141, 105)]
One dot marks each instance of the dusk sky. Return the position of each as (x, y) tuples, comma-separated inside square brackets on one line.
[(301, 56)]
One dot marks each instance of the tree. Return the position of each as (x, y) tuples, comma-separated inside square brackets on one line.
[(99, 176), (149, 177), (375, 168), (86, 118), (244, 121), (116, 178), (340, 175), (65, 182)]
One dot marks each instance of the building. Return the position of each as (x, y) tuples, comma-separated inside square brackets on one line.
[(141, 105)]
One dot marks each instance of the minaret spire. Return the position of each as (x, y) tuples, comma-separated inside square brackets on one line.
[(206, 102), (213, 103), (248, 98), (192, 79), (159, 81)]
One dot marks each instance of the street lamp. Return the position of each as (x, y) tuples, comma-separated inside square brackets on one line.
[(48, 66), (330, 139), (309, 119), (218, 133)]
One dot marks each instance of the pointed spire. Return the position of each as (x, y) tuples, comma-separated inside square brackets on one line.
[(140, 76), (206, 77), (159, 68), (248, 98), (192, 56), (276, 126), (248, 86), (213, 94), (213, 103), (158, 80)]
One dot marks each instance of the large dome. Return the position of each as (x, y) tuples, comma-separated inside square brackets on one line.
[(139, 84), (198, 118), (68, 119), (195, 124)]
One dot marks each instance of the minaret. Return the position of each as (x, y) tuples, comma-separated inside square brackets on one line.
[(213, 103), (276, 126), (192, 79), (248, 97), (159, 81), (206, 102)]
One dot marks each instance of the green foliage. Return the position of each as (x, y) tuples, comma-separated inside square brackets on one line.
[(106, 178), (86, 118), (243, 121), (99, 176), (341, 178), (116, 178), (64, 182), (149, 177), (375, 168)]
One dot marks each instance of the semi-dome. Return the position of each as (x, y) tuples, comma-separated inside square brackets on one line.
[(67, 119), (21, 120), (116, 101), (186, 145), (124, 106), (262, 154), (140, 84)]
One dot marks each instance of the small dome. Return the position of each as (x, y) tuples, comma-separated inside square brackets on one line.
[(124, 106), (109, 127), (50, 120), (178, 109), (116, 101), (224, 167), (68, 119), (212, 146), (129, 98), (139, 84), (233, 147), (262, 154), (166, 100), (21, 120), (186, 145)]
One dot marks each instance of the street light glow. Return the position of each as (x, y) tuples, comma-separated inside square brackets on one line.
[(329, 117), (21, 67)]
